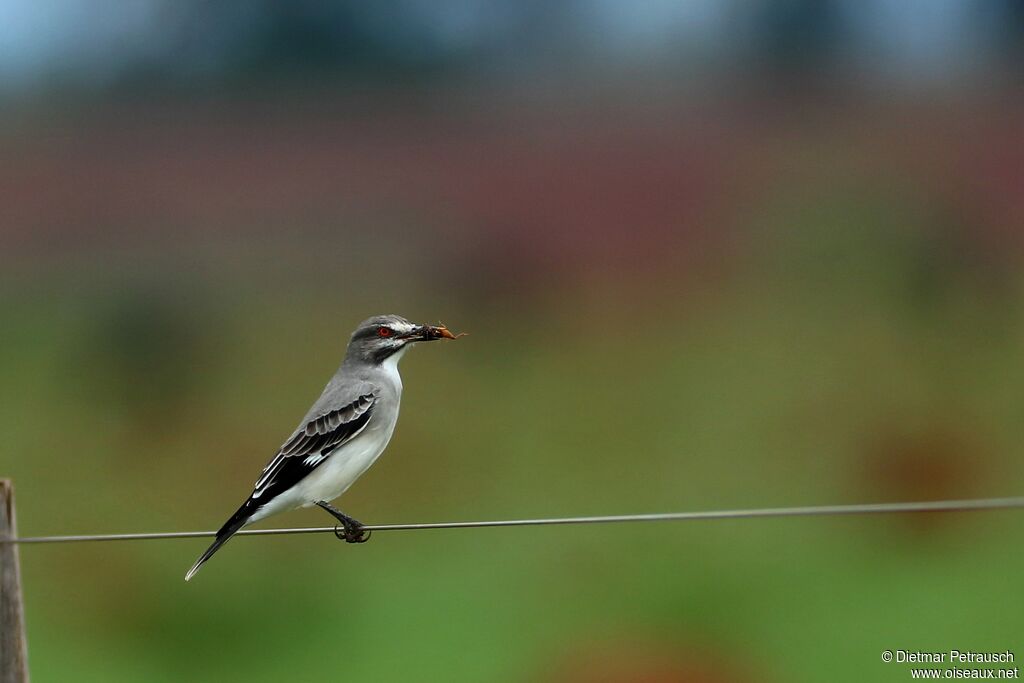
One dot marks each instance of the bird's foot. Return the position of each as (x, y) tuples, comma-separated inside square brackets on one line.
[(351, 530)]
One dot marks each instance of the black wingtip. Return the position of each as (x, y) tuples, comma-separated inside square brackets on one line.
[(214, 547), (237, 521)]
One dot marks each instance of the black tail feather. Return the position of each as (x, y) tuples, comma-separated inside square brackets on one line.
[(236, 522)]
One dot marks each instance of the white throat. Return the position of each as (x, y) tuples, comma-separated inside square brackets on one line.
[(390, 367)]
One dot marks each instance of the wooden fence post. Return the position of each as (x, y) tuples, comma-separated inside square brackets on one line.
[(13, 644)]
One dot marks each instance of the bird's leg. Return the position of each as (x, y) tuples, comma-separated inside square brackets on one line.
[(352, 530)]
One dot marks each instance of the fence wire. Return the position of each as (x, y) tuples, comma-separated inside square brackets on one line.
[(975, 504)]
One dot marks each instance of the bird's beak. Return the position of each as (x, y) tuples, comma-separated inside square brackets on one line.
[(432, 333)]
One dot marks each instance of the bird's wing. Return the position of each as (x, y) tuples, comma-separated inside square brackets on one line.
[(320, 434)]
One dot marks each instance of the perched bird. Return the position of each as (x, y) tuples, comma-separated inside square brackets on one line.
[(341, 435)]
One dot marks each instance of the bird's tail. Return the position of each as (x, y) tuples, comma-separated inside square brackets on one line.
[(236, 522)]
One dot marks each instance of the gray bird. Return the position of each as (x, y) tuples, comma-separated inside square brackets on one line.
[(344, 432)]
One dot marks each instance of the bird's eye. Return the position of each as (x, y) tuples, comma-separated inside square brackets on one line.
[(384, 332)]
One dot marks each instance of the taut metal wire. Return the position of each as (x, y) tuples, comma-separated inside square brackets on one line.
[(812, 511)]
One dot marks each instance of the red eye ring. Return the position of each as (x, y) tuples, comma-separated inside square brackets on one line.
[(384, 332)]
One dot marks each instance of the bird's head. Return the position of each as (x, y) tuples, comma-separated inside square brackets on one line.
[(380, 337)]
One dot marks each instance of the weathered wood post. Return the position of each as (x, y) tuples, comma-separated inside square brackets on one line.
[(13, 644)]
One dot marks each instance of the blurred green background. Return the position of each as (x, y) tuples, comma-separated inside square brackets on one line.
[(711, 255)]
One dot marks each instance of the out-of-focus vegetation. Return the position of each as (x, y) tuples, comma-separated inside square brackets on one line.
[(778, 291)]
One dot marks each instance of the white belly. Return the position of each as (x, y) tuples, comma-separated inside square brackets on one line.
[(344, 466), (338, 472)]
